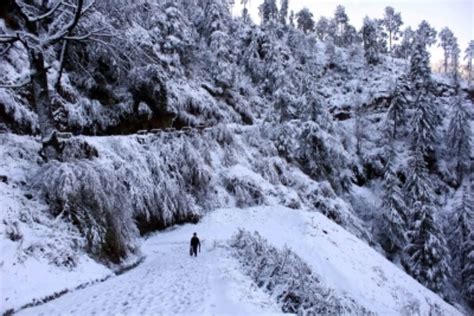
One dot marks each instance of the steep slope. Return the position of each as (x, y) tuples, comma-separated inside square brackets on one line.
[(190, 110), (169, 281)]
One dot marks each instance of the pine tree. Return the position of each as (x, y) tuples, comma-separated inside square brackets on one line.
[(304, 20), (268, 11), (215, 30), (284, 7), (461, 241), (369, 35), (405, 49), (393, 230), (467, 274), (392, 21), (417, 186), (322, 28), (291, 19), (396, 114), (426, 256), (455, 52), (459, 139), (469, 57), (341, 23), (446, 38), (420, 70), (426, 33), (245, 11), (462, 225)]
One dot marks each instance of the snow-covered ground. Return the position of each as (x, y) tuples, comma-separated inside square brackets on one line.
[(171, 282)]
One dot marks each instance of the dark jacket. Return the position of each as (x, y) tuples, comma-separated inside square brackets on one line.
[(195, 242)]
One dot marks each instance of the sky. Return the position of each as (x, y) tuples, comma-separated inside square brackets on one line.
[(458, 15)]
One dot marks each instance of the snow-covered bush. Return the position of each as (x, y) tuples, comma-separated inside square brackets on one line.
[(246, 191), (289, 279), (95, 199)]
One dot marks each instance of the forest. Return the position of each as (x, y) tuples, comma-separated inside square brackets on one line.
[(119, 119)]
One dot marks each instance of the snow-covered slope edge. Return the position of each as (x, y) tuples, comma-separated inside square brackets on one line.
[(176, 283), (39, 256)]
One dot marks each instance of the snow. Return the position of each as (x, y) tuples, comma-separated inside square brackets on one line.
[(44, 260), (171, 282)]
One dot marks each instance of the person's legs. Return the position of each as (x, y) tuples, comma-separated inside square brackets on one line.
[(195, 251)]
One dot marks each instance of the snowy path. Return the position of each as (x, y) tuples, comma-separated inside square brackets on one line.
[(169, 282)]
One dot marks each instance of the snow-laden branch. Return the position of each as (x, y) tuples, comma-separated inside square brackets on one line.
[(16, 85), (79, 10), (8, 39), (88, 35), (45, 15), (4, 51)]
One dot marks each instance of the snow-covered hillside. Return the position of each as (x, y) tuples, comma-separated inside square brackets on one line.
[(122, 119), (169, 281)]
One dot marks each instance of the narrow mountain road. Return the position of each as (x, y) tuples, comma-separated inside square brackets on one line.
[(168, 282)]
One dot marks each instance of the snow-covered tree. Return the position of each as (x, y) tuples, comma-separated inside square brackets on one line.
[(426, 256), (446, 38), (268, 11), (405, 49), (396, 114), (322, 28), (426, 34), (284, 7), (304, 20), (215, 18), (459, 139), (417, 187), (291, 19), (461, 226), (320, 156), (245, 11), (467, 273), (392, 21), (343, 32), (469, 57), (369, 36), (420, 70), (215, 30), (455, 53), (39, 27), (393, 226), (425, 122)]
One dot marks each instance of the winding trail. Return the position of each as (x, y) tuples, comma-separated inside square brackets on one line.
[(168, 282)]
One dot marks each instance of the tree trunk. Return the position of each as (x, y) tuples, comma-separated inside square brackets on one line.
[(41, 100), (390, 42)]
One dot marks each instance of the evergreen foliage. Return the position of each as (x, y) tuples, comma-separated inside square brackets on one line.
[(369, 34), (304, 20), (397, 112), (426, 256), (392, 21), (393, 227), (268, 11), (469, 57), (459, 140)]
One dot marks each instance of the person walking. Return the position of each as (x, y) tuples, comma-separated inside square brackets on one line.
[(194, 245)]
